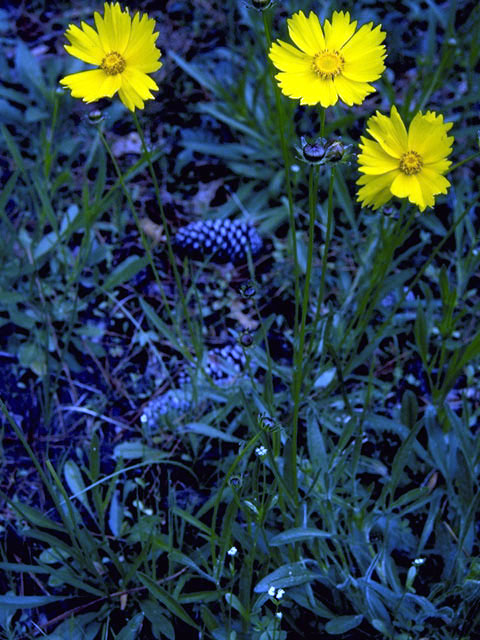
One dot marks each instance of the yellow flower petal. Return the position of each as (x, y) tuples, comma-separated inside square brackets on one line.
[(352, 92), (389, 132), (399, 162), (409, 187), (103, 32), (365, 41), (142, 41), (364, 55), (375, 191), (288, 58), (374, 160), (118, 24), (125, 50), (318, 71), (92, 85), (84, 44), (303, 35), (339, 31), (428, 136)]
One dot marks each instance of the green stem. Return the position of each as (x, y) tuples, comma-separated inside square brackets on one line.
[(328, 233), (171, 255), (322, 121), (139, 226), (282, 127), (462, 162), (298, 357), (431, 87), (379, 333)]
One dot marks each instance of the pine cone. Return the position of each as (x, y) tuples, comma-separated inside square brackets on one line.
[(223, 365), (222, 240)]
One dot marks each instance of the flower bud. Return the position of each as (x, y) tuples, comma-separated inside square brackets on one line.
[(95, 116), (246, 339), (313, 152), (335, 151), (267, 423), (235, 482), (261, 4), (247, 290)]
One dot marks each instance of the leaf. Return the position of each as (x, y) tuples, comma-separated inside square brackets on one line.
[(115, 514), (132, 629), (125, 271), (160, 623), (289, 575), (8, 601), (342, 624), (421, 336), (166, 599), (20, 568), (297, 535), (211, 432), (159, 325), (36, 517), (136, 449), (234, 602), (9, 114), (325, 378), (177, 556), (74, 480), (194, 521), (409, 409), (27, 65), (193, 72), (316, 444)]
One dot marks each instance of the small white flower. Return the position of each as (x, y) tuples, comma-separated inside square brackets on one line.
[(279, 615), (232, 551), (261, 451), (143, 418), (271, 591), (280, 593), (419, 561)]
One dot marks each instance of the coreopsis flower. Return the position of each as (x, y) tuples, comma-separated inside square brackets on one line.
[(336, 62), (407, 164), (124, 51)]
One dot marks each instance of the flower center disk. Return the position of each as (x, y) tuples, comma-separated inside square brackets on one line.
[(113, 63), (327, 64), (411, 163)]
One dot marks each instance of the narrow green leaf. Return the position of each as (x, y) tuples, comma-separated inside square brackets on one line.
[(297, 535), (421, 335), (20, 567), (181, 558), (409, 409), (74, 480), (342, 624), (159, 325), (166, 599), (288, 575), (194, 521), (8, 601), (206, 430), (36, 517), (125, 271), (234, 602), (136, 449), (132, 628), (115, 515)]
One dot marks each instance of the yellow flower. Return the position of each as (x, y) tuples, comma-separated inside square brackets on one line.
[(329, 64), (404, 164), (124, 51)]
